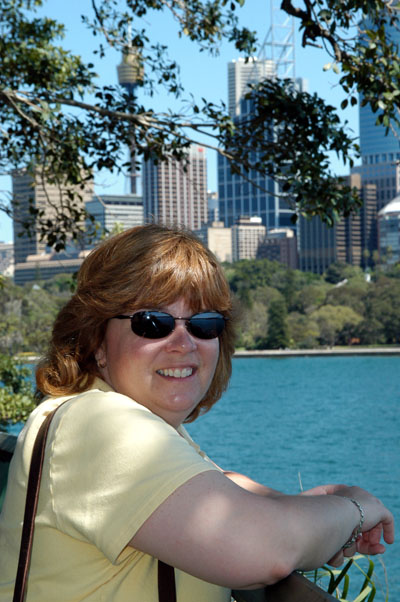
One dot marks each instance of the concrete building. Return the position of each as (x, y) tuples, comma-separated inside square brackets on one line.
[(46, 265), (280, 244), (241, 74), (351, 240), (111, 209), (29, 191), (389, 231), (247, 233), (218, 239), (176, 192)]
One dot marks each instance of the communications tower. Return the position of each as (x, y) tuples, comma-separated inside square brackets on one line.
[(130, 75), (278, 44)]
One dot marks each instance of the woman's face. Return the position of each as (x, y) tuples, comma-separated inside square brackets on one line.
[(139, 367)]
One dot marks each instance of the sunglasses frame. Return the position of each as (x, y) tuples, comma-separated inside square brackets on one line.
[(188, 324)]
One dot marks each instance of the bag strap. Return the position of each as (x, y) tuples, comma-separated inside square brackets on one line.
[(166, 583), (166, 574)]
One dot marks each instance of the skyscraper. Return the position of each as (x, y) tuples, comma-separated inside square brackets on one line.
[(380, 153), (30, 191), (260, 197), (33, 191), (175, 191), (257, 194), (241, 74), (351, 240)]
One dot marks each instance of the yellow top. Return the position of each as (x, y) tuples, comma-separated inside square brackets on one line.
[(109, 463)]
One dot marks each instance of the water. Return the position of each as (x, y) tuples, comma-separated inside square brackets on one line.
[(329, 419), (332, 419)]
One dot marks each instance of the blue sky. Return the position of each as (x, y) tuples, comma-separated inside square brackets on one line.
[(201, 74)]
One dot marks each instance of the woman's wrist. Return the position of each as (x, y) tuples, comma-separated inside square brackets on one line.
[(358, 529)]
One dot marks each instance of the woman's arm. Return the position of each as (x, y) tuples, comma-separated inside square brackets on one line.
[(217, 531)]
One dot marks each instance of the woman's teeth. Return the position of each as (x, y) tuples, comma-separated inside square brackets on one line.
[(176, 372)]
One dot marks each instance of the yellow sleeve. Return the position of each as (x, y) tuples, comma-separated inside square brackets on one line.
[(112, 463)]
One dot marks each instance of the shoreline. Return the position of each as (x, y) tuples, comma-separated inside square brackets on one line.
[(326, 352), (329, 352)]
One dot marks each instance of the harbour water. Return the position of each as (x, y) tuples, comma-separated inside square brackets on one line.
[(311, 420), (303, 421)]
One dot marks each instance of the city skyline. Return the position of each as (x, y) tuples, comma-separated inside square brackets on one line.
[(201, 74)]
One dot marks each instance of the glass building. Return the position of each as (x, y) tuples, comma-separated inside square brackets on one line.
[(380, 153), (240, 197), (389, 231), (255, 194)]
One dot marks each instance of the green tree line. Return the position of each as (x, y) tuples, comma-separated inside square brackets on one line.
[(283, 308), (278, 307)]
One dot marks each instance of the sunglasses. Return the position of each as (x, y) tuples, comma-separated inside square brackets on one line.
[(158, 324)]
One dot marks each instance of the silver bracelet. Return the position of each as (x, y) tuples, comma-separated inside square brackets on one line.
[(358, 529)]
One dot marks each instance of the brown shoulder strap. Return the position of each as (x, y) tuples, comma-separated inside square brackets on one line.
[(32, 496), (166, 574), (166, 583)]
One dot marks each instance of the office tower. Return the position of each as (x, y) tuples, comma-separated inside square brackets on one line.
[(247, 233), (279, 244), (351, 240), (389, 232), (218, 239), (241, 74), (385, 175), (380, 153), (237, 195), (32, 191), (111, 209), (175, 192), (260, 197)]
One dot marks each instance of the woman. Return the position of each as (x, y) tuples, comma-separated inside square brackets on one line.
[(144, 345)]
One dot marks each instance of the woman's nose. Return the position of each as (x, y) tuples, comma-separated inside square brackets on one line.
[(180, 338)]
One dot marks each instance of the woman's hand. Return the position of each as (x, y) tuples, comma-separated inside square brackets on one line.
[(369, 541), (378, 521)]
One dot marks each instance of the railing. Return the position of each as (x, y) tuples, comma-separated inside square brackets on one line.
[(294, 588)]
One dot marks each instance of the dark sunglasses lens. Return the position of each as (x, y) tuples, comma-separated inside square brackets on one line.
[(152, 324), (207, 325)]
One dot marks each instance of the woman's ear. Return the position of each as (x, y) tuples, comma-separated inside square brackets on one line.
[(101, 356)]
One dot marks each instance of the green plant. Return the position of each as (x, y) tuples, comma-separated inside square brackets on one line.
[(344, 587), (16, 395)]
